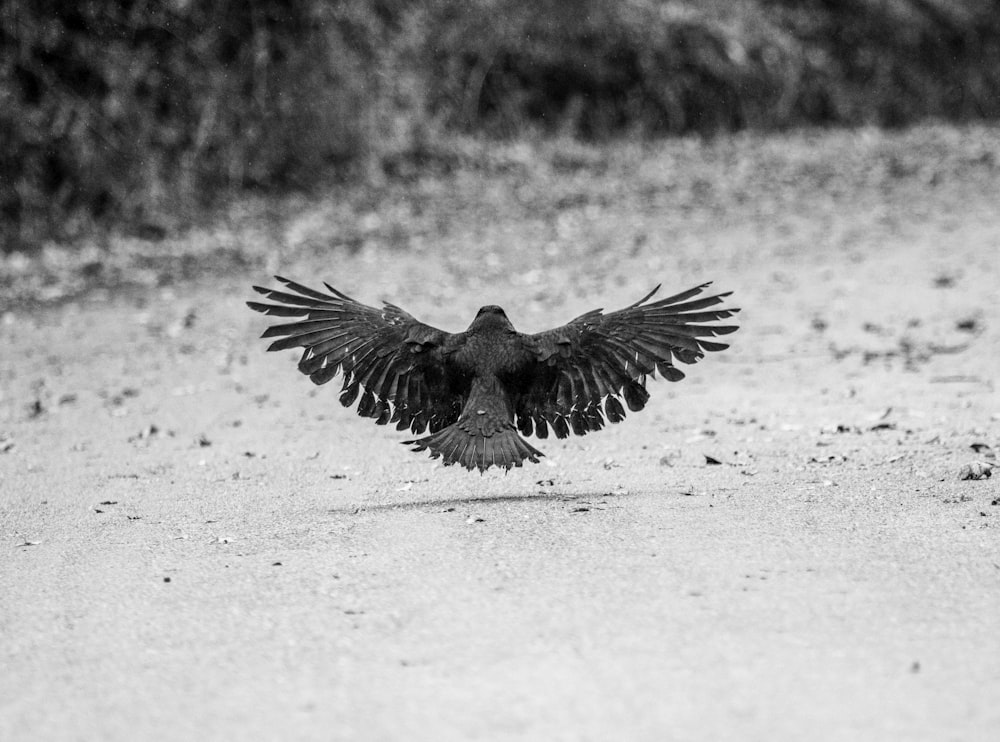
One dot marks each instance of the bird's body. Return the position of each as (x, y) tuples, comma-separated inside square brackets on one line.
[(475, 390)]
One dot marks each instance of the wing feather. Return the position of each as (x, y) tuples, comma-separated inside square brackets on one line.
[(603, 359), (393, 365)]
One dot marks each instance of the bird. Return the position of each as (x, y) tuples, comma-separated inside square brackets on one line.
[(476, 393)]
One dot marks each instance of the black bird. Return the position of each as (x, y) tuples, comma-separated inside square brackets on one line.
[(471, 389)]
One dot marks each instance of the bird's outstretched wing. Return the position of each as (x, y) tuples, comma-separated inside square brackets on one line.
[(585, 367), (395, 363)]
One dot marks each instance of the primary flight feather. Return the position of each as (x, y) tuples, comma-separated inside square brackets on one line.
[(474, 391)]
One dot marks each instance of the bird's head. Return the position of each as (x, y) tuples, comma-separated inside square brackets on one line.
[(491, 316), (491, 309)]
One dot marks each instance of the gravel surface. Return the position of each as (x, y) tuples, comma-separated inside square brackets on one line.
[(198, 543)]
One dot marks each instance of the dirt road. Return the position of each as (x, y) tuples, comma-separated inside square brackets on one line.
[(197, 543)]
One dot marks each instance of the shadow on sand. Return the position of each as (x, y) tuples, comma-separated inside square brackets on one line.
[(453, 502)]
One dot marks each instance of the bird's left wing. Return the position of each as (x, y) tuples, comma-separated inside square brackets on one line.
[(598, 358), (395, 362)]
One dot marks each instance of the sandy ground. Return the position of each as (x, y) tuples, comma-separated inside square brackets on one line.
[(198, 543)]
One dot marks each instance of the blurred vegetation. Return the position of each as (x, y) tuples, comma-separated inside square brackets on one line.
[(141, 113)]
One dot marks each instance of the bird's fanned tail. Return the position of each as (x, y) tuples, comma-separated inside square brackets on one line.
[(484, 434), (454, 445)]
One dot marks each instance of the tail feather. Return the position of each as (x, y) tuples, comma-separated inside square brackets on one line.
[(454, 445)]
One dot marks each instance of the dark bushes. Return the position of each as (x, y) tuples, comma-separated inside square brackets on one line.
[(123, 110), (598, 69), (133, 112)]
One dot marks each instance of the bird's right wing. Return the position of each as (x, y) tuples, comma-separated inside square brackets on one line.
[(598, 358), (395, 362)]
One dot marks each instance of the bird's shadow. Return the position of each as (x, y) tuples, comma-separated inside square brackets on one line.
[(454, 502)]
